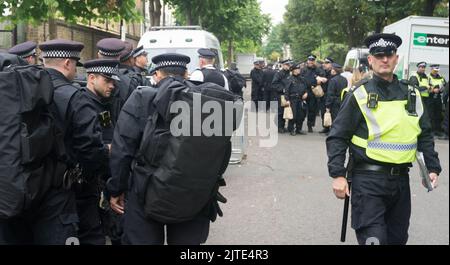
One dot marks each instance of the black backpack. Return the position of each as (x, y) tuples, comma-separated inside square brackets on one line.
[(28, 138), (236, 81), (183, 171)]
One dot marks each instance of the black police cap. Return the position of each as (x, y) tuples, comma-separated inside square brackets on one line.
[(24, 49), (421, 64), (60, 48), (383, 43), (110, 47), (434, 66), (139, 51), (171, 60), (288, 61), (206, 53), (296, 66), (312, 57), (106, 67), (329, 60), (127, 52)]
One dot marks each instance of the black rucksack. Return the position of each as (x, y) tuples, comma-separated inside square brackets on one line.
[(235, 81), (183, 171), (28, 138)]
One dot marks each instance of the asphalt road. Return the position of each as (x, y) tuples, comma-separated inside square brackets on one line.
[(282, 195)]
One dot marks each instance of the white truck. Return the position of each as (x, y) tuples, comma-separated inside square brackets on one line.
[(181, 39), (244, 62), (424, 39)]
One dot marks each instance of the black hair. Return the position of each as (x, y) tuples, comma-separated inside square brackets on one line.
[(173, 70)]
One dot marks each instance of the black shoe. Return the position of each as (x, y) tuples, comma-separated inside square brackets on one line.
[(310, 130), (325, 130), (301, 133), (293, 133), (281, 130)]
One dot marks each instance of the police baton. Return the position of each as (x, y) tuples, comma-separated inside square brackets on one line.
[(345, 215)]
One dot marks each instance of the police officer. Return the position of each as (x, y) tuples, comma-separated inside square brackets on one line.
[(256, 74), (296, 95), (77, 119), (383, 140), (25, 50), (310, 73), (422, 81), (134, 77), (101, 74), (269, 94), (127, 138), (335, 86), (327, 67), (111, 48), (207, 72), (437, 84), (280, 83), (140, 65)]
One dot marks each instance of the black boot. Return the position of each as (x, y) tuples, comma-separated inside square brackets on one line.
[(325, 130), (310, 130)]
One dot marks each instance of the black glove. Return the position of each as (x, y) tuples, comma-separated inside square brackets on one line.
[(215, 208)]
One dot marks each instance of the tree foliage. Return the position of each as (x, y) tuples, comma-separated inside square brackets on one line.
[(71, 11), (310, 26), (239, 24)]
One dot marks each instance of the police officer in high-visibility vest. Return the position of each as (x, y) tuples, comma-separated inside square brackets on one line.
[(382, 123), (437, 84), (421, 80)]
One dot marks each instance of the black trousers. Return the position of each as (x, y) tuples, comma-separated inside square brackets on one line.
[(321, 107), (87, 198), (381, 208), (281, 120), (139, 230), (53, 222), (299, 115), (435, 111), (313, 107)]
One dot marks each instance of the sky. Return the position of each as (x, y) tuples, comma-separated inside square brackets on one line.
[(275, 8)]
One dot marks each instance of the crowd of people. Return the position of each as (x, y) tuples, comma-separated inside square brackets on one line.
[(314, 87)]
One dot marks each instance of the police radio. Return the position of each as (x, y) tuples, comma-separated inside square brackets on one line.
[(411, 104), (372, 102)]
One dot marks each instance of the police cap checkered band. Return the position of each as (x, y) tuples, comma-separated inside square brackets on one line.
[(60, 54), (171, 60), (108, 53), (383, 44), (109, 70)]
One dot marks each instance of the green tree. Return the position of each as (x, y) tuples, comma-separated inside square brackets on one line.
[(239, 24), (274, 42), (36, 12)]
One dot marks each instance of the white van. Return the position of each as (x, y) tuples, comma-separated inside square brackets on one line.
[(424, 39), (356, 56), (181, 39)]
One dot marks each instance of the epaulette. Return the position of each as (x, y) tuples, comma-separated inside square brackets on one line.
[(359, 84)]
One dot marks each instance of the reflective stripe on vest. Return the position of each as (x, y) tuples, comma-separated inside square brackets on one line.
[(423, 82), (392, 132), (436, 81), (343, 92)]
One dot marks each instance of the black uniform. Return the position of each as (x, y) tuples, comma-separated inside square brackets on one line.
[(294, 93), (76, 115), (321, 102), (127, 138), (310, 75), (436, 104), (333, 96), (381, 203), (279, 85), (269, 93), (257, 85), (141, 73), (426, 100)]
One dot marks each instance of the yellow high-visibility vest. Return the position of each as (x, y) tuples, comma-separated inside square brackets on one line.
[(423, 82), (436, 81), (392, 131)]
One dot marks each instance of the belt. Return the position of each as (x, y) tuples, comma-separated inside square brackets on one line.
[(393, 171)]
